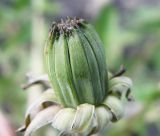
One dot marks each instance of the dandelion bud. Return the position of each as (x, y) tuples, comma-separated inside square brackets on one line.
[(76, 63)]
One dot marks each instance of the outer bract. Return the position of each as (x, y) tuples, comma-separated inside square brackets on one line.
[(76, 63)]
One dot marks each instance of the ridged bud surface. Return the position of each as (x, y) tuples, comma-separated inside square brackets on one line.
[(76, 65)]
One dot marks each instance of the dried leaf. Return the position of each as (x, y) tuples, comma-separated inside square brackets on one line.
[(104, 116), (43, 118), (37, 106), (120, 85), (85, 119), (32, 80), (64, 119), (48, 96), (115, 106)]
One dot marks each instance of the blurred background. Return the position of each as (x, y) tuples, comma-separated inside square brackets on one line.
[(130, 31)]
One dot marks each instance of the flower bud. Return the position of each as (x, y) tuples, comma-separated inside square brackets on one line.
[(76, 65)]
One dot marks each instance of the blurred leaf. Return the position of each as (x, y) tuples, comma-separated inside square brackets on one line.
[(146, 20), (106, 24), (113, 36), (20, 4)]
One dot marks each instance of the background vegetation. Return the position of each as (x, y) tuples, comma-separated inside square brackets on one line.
[(130, 31)]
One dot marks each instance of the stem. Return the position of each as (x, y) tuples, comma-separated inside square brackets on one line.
[(37, 33)]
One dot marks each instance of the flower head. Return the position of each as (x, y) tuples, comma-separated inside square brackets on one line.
[(82, 96)]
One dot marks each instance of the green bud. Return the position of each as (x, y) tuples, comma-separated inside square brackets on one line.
[(76, 65)]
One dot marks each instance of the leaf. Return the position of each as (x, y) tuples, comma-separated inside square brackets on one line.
[(85, 119), (49, 95), (121, 85), (107, 25), (103, 116), (146, 20), (64, 119), (43, 79), (39, 104), (42, 118), (115, 106)]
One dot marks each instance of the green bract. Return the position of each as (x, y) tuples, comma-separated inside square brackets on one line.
[(76, 64)]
